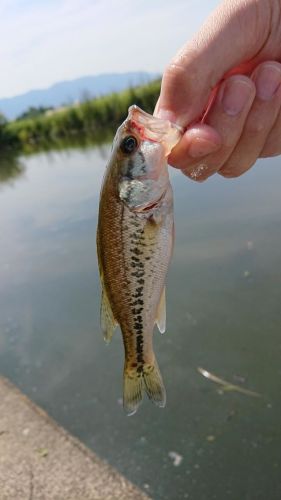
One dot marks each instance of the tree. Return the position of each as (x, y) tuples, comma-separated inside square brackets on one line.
[(3, 120)]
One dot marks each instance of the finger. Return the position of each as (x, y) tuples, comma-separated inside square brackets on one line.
[(260, 120), (272, 146), (227, 116), (197, 142), (236, 32)]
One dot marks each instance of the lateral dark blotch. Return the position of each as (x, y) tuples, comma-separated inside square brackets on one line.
[(138, 302), (142, 158), (134, 222), (138, 274), (139, 265), (138, 326), (129, 172), (137, 311), (136, 259), (136, 251)]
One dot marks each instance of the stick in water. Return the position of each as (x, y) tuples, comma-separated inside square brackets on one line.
[(227, 386)]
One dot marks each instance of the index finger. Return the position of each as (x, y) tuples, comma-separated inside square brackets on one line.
[(234, 33)]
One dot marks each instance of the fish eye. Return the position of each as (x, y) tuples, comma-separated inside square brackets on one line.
[(129, 144)]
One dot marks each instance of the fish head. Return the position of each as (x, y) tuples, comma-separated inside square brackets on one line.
[(141, 147)]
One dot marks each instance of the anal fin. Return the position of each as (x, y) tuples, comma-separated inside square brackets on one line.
[(161, 313)]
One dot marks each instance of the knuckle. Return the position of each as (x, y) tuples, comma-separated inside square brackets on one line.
[(183, 70), (270, 150), (272, 145), (234, 170), (175, 73), (229, 174), (255, 127)]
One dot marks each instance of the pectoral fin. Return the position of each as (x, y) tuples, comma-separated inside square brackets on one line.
[(161, 313), (108, 322)]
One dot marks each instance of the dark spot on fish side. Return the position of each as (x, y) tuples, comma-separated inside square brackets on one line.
[(138, 326), (136, 251), (134, 223), (138, 302), (142, 161), (137, 274), (137, 264), (129, 172), (136, 259), (137, 311)]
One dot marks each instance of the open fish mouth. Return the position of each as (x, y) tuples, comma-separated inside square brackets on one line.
[(153, 128)]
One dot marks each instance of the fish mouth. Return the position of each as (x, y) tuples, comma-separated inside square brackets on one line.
[(154, 129)]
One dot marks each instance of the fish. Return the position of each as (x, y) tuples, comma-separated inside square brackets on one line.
[(135, 236)]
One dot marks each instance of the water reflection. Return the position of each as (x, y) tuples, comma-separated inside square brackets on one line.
[(10, 167), (224, 291)]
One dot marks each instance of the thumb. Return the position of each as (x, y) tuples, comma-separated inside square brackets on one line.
[(236, 32)]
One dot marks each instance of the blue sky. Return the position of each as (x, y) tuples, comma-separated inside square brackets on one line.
[(45, 41)]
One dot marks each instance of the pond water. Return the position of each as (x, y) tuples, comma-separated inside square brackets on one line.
[(223, 310)]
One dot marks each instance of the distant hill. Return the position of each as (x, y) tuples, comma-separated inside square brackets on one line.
[(70, 91)]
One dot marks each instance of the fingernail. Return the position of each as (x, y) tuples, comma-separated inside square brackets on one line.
[(202, 147), (234, 95), (267, 79), (197, 173)]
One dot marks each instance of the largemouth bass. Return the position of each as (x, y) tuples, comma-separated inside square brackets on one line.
[(134, 242)]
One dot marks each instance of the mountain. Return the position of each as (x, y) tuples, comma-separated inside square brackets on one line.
[(69, 91)]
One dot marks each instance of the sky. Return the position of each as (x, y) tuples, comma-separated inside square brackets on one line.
[(46, 41)]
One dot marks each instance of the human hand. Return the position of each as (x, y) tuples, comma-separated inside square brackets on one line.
[(224, 88)]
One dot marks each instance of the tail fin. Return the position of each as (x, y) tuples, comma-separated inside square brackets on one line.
[(136, 382)]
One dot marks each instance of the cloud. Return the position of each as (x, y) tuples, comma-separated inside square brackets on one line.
[(50, 40)]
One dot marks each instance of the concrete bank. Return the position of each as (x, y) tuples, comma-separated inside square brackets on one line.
[(40, 461)]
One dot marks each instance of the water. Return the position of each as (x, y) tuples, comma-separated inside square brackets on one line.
[(223, 306)]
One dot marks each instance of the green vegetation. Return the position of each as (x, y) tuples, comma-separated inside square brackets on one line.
[(34, 112), (93, 121)]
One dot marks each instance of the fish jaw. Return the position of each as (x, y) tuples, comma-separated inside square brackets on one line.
[(154, 129)]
